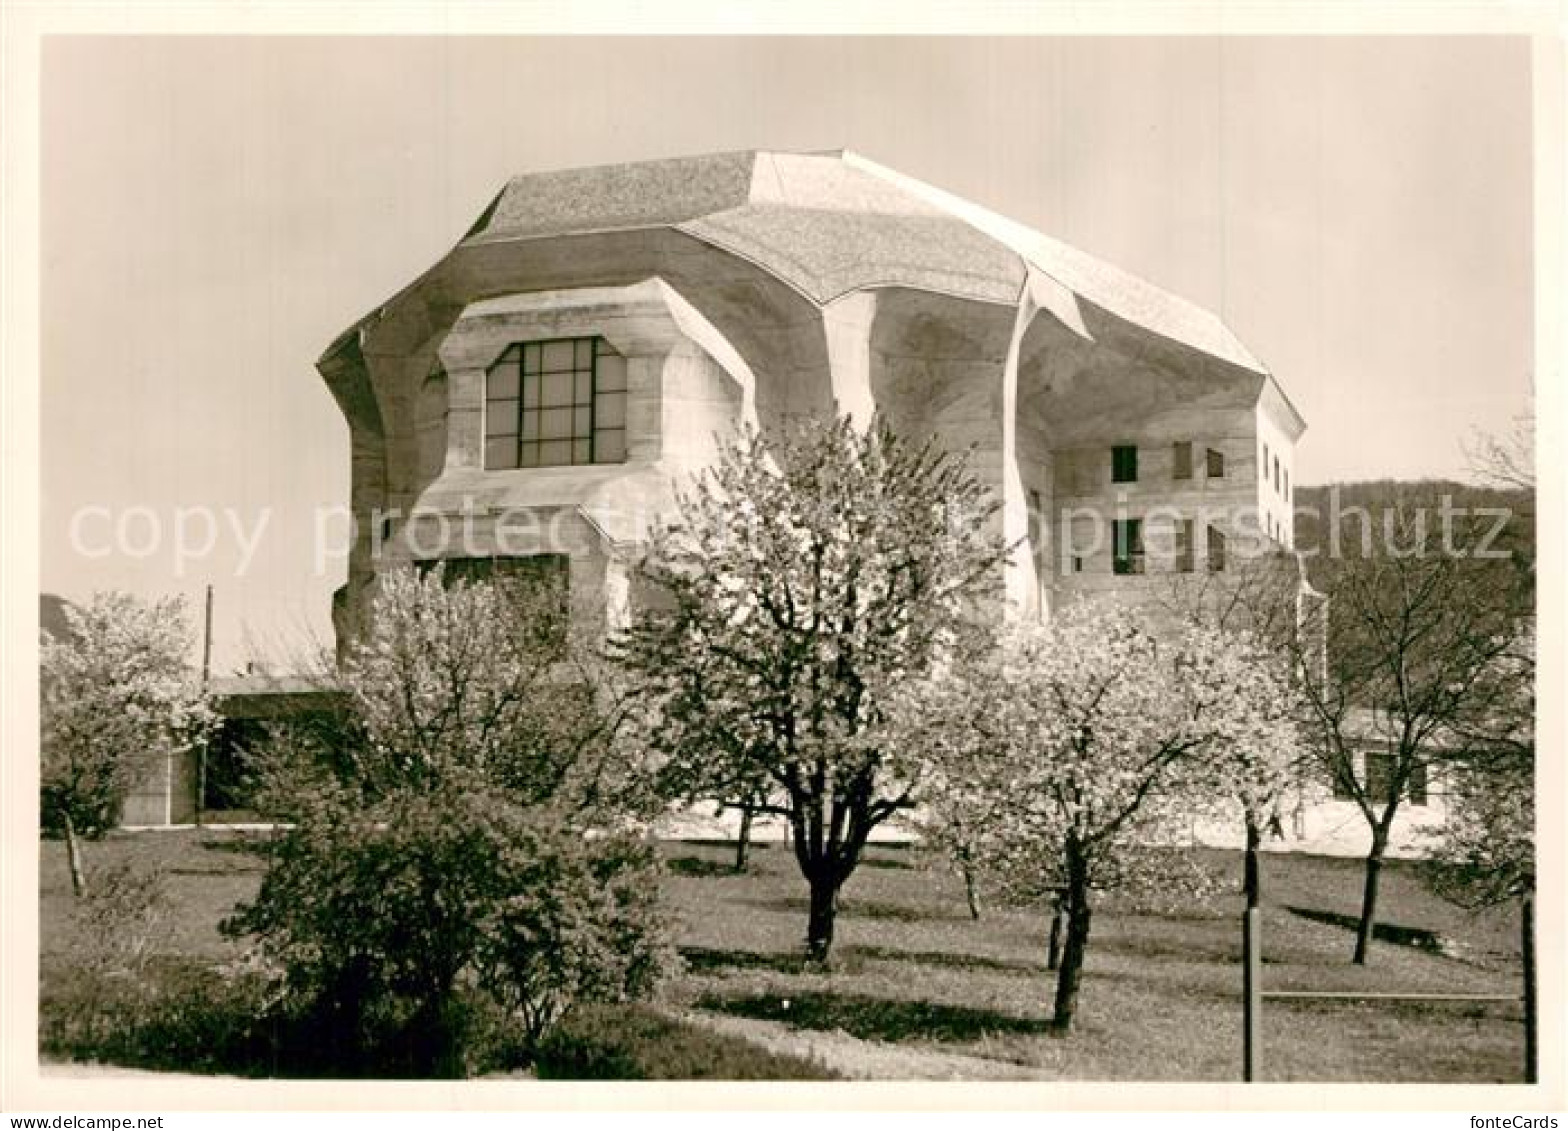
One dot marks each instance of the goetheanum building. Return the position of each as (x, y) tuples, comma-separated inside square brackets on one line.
[(534, 399)]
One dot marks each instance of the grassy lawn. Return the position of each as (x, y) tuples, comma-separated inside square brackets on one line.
[(918, 989)]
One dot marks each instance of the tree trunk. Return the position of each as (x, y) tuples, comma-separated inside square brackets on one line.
[(743, 838), (438, 1051), (1078, 916), (1053, 951), (1365, 928), (824, 908), (73, 853), (1251, 883), (971, 892)]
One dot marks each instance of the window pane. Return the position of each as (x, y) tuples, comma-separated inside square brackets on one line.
[(502, 381), (530, 425), (1181, 454), (1379, 777), (557, 355), (1216, 464), (581, 452), (557, 390), (531, 358), (501, 452), (611, 410), (530, 392), (584, 354), (555, 424), (609, 446), (583, 392), (582, 422), (500, 418), (553, 453), (1418, 783), (612, 373), (529, 456)]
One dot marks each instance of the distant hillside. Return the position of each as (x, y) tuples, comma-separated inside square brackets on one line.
[(1316, 508)]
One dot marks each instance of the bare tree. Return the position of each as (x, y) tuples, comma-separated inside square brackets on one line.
[(1507, 460), (1415, 621)]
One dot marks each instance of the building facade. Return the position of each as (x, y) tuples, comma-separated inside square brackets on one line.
[(537, 397)]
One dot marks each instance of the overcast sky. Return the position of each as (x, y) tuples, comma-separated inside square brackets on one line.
[(215, 211)]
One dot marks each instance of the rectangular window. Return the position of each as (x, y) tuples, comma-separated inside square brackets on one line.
[(556, 403), (1379, 779), (541, 582), (1263, 464), (1216, 550), (1379, 776), (1276, 473), (1342, 780), (1417, 788), (1127, 548), (1287, 484), (1183, 536), (1216, 463), (1036, 526), (1181, 459), (1124, 463)]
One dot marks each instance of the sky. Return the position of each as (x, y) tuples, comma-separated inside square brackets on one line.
[(216, 210)]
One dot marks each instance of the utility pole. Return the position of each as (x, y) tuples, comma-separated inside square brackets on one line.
[(206, 676)]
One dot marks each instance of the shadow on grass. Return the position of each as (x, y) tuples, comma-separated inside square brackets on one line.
[(705, 960), (876, 1019), (954, 959), (886, 862), (258, 847), (699, 866), (852, 908), (1189, 950), (1417, 937)]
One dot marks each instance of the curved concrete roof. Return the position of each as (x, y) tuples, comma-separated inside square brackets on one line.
[(829, 224)]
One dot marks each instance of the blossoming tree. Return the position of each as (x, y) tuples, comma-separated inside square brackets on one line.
[(811, 574), (119, 697)]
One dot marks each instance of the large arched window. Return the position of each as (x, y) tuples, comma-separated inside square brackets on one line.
[(556, 403)]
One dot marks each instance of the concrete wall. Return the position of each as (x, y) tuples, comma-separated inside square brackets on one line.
[(1086, 500), (1277, 480), (423, 491)]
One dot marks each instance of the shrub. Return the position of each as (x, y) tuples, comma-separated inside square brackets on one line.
[(181, 1016), (457, 873), (121, 919), (602, 1042), (414, 924)]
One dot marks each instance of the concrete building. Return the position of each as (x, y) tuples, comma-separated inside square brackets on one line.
[(533, 399)]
